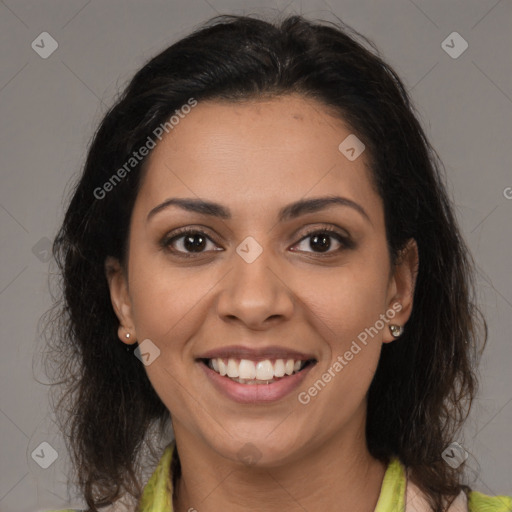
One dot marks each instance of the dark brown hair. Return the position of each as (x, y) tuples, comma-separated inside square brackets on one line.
[(425, 380)]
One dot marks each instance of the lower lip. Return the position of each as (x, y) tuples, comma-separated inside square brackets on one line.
[(255, 393)]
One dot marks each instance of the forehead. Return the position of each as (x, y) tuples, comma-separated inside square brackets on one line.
[(256, 152)]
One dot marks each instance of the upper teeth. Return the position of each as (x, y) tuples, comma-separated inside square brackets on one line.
[(258, 370)]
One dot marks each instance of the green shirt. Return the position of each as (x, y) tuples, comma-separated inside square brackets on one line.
[(157, 494)]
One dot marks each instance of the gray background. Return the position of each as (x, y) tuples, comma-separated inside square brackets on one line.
[(50, 107)]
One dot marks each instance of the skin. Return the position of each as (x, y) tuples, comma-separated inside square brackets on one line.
[(255, 157)]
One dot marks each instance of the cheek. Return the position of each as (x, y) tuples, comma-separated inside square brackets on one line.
[(347, 318), (165, 300), (346, 301), (167, 307)]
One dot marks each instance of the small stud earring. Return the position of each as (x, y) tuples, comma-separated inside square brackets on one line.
[(396, 330), (127, 335)]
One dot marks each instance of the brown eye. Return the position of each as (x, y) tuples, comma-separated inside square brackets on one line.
[(194, 242), (188, 242), (321, 241)]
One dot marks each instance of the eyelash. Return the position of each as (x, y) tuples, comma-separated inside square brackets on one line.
[(345, 241)]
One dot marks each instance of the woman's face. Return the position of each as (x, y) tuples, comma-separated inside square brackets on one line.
[(272, 272)]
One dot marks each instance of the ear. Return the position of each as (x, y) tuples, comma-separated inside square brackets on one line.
[(401, 287), (121, 302)]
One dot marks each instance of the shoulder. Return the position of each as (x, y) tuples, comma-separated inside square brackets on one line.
[(157, 493), (474, 502), (479, 502), (123, 504)]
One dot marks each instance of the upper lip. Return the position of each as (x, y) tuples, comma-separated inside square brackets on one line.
[(255, 354)]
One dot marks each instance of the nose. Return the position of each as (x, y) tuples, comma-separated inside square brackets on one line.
[(255, 295)]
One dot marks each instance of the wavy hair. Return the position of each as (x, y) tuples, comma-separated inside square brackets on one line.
[(425, 380)]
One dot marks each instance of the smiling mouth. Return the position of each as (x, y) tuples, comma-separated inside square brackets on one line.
[(247, 371)]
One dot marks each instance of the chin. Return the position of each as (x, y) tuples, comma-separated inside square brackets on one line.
[(259, 449)]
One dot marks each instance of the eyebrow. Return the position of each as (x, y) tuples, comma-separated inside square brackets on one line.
[(288, 212)]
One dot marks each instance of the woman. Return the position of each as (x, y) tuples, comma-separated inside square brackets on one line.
[(261, 249)]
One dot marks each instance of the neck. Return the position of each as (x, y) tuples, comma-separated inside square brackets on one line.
[(338, 474)]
